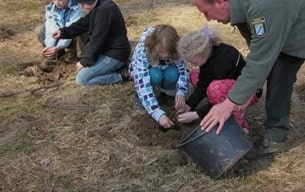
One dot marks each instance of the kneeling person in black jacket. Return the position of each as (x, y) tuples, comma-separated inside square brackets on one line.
[(108, 48)]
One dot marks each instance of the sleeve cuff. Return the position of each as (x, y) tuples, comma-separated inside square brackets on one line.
[(233, 101), (157, 114), (181, 93)]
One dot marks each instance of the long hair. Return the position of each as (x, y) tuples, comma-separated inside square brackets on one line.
[(163, 37)]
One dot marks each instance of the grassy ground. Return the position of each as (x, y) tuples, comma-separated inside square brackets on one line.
[(57, 136)]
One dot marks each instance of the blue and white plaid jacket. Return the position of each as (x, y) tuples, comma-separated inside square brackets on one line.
[(139, 70)]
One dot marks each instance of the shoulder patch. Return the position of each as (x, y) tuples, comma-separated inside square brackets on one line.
[(259, 26)]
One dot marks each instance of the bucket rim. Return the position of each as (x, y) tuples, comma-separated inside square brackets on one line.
[(186, 141)]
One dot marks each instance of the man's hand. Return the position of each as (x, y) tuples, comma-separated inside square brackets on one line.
[(218, 114), (243, 107)]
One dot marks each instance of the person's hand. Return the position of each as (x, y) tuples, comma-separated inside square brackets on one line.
[(218, 114), (49, 51), (165, 122), (56, 34), (187, 117), (243, 107), (179, 102), (184, 109), (79, 66)]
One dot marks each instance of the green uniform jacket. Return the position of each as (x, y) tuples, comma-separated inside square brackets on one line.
[(270, 27)]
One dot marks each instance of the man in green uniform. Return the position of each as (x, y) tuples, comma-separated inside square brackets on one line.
[(274, 32)]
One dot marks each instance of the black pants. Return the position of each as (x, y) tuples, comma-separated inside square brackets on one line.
[(278, 97)]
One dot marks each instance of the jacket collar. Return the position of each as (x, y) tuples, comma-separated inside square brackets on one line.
[(238, 11)]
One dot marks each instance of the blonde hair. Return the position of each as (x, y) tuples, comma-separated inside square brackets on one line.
[(165, 37), (196, 42)]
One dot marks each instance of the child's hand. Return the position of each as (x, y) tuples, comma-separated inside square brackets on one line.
[(184, 109), (179, 102), (79, 66), (56, 34), (49, 51), (187, 117), (165, 122)]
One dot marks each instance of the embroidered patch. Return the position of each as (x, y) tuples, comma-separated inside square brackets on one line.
[(259, 25)]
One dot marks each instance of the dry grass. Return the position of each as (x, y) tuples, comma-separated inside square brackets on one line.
[(70, 138)]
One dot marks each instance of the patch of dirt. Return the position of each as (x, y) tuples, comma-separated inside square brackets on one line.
[(50, 71), (151, 134), (6, 34)]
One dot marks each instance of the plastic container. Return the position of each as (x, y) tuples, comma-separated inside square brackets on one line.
[(217, 153)]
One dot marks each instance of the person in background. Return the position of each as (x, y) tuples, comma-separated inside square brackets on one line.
[(219, 64), (106, 54), (59, 14), (156, 65), (277, 51)]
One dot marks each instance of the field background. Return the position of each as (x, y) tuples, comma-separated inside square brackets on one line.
[(57, 136)]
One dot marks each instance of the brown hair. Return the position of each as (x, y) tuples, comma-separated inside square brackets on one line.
[(165, 37)]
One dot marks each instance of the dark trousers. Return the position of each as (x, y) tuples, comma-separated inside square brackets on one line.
[(278, 97)]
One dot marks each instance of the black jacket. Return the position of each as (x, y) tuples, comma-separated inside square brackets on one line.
[(225, 62), (106, 31)]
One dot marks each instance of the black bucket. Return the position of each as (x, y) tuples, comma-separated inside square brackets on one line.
[(217, 153)]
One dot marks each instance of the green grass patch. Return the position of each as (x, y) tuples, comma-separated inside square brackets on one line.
[(23, 6), (6, 68), (22, 144), (26, 107)]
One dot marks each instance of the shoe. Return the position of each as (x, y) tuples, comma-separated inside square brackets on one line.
[(125, 73), (268, 147), (274, 147)]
